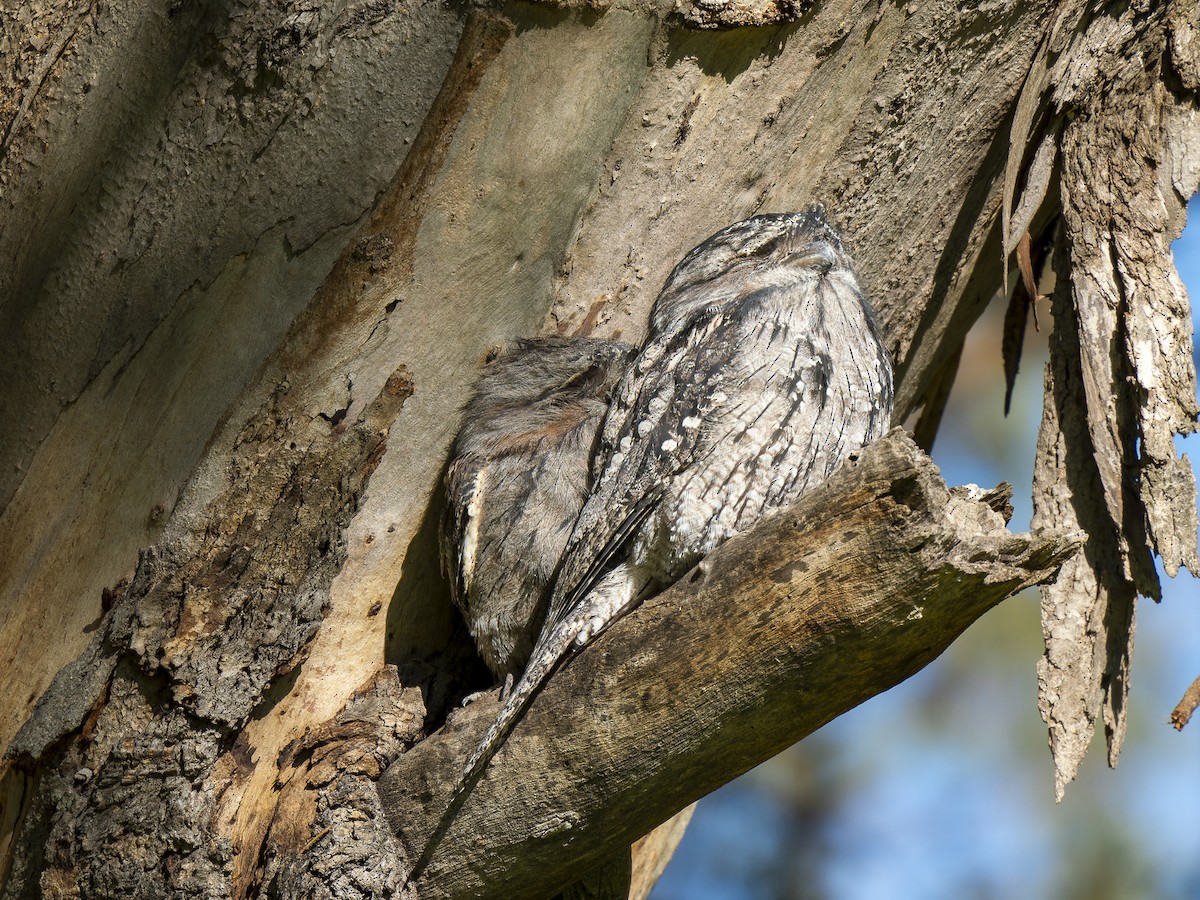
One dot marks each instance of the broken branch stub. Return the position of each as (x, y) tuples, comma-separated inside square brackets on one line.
[(823, 605)]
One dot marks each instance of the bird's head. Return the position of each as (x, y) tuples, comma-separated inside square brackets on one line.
[(748, 256)]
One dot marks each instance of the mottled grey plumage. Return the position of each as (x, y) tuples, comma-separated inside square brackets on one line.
[(762, 371), (519, 473)]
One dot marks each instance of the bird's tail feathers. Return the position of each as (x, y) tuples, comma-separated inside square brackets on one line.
[(543, 661), (545, 658)]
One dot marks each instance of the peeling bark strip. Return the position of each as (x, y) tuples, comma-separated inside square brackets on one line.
[(126, 739), (1121, 381), (1087, 615), (774, 634)]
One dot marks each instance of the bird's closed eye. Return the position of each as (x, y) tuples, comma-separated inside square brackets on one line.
[(762, 250)]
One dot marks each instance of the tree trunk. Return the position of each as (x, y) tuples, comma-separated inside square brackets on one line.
[(251, 257)]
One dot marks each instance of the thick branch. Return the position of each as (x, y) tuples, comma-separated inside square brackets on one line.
[(822, 606)]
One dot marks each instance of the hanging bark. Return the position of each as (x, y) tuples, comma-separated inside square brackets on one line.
[(1120, 109), (251, 256)]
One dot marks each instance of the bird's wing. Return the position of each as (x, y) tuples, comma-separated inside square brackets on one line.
[(652, 432)]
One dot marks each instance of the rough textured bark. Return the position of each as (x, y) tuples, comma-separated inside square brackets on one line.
[(1120, 111), (240, 241), (169, 677), (775, 633)]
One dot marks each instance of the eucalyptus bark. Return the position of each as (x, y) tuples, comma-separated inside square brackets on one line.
[(1109, 118), (252, 254)]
